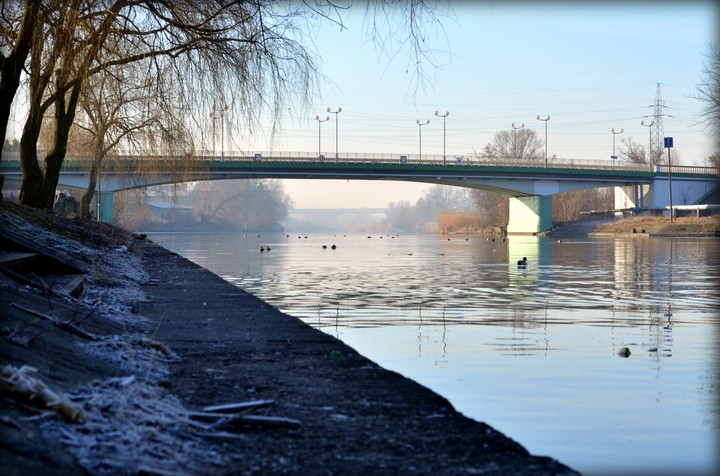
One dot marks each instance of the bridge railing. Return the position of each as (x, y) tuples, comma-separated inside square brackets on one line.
[(415, 159), (425, 159), (688, 169), (204, 158)]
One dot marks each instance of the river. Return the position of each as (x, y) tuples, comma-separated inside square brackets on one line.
[(601, 353)]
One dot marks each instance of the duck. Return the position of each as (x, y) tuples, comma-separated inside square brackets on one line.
[(523, 262), (262, 249), (333, 247)]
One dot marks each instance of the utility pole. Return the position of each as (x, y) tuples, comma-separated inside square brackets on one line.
[(668, 142), (657, 132)]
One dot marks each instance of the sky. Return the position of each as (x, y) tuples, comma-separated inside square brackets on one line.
[(590, 66)]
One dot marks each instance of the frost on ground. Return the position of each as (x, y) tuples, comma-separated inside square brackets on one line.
[(129, 425), (133, 427), (143, 357), (114, 281)]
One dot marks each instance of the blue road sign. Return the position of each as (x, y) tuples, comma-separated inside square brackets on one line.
[(668, 142)]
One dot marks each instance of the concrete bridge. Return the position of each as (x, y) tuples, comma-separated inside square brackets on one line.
[(530, 183)]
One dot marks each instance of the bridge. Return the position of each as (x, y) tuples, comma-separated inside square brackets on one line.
[(530, 183)]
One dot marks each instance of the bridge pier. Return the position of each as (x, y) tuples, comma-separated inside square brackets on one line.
[(105, 206), (530, 214)]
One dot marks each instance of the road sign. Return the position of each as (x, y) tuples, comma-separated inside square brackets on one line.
[(668, 142), (403, 159), (614, 157)]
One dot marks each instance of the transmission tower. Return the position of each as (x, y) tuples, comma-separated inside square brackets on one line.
[(657, 132)]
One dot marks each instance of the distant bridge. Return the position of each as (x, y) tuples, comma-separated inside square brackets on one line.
[(530, 183)]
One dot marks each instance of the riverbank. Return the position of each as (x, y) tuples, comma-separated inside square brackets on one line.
[(643, 226), (128, 370)]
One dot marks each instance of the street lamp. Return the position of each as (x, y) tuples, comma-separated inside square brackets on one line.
[(514, 139), (546, 121), (320, 121), (219, 113), (339, 110), (443, 116), (649, 153), (420, 124), (613, 156)]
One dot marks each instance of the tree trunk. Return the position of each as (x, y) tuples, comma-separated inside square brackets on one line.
[(31, 172), (13, 64), (87, 197)]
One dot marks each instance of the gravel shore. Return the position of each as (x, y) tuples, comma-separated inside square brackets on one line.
[(122, 377)]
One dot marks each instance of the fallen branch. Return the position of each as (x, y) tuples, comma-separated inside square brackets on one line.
[(239, 407), (238, 421), (66, 326)]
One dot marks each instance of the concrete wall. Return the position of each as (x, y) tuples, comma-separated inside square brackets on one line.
[(530, 214), (684, 192), (633, 196)]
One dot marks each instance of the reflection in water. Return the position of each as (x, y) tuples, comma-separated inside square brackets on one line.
[(537, 352)]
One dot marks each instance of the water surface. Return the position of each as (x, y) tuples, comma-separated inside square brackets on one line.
[(539, 352)]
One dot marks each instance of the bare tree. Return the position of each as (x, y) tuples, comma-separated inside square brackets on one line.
[(254, 204), (401, 216), (567, 206), (708, 91), (251, 56), (493, 208), (632, 151), (440, 198), (124, 106), (636, 153), (516, 144)]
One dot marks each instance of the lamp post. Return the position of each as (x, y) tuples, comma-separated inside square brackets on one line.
[(320, 121), (613, 156), (514, 139), (339, 110), (649, 153), (545, 121), (219, 112), (444, 116), (420, 124)]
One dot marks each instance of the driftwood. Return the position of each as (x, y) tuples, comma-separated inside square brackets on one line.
[(232, 416), (239, 407), (67, 326)]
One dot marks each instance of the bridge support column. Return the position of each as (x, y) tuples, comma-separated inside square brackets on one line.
[(105, 206), (530, 214)]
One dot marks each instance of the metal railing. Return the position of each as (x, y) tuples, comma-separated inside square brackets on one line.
[(208, 159)]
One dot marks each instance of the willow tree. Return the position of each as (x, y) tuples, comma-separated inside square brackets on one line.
[(249, 55), (114, 111)]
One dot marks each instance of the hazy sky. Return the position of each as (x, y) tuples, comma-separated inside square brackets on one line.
[(590, 66)]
